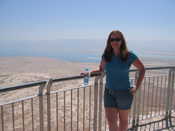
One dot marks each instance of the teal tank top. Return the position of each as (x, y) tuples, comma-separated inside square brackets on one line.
[(117, 72)]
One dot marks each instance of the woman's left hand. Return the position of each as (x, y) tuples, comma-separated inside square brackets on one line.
[(133, 90)]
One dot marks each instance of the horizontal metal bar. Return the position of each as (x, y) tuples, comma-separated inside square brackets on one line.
[(68, 89), (18, 100), (154, 68), (76, 77), (5, 89), (152, 122)]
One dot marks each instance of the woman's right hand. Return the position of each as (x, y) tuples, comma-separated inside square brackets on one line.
[(92, 72), (83, 74)]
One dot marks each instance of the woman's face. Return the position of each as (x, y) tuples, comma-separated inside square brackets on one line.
[(116, 41)]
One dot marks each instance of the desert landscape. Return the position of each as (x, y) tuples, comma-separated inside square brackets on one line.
[(22, 70)]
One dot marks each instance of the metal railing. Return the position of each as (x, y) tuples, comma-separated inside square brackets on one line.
[(63, 105)]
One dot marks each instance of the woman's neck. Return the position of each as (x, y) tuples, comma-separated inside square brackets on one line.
[(116, 52)]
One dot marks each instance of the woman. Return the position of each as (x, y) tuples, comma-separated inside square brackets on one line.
[(118, 95)]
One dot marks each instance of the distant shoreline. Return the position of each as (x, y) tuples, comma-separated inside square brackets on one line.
[(93, 59)]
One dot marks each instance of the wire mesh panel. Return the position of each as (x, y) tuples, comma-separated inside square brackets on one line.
[(152, 102), (20, 116), (72, 109)]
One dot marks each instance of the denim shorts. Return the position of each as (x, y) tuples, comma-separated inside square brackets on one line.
[(121, 99)]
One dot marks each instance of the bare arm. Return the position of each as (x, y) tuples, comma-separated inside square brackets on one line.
[(101, 67), (138, 64)]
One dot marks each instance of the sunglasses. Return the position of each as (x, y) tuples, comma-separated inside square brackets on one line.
[(115, 39)]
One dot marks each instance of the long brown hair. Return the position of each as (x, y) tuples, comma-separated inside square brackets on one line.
[(108, 52)]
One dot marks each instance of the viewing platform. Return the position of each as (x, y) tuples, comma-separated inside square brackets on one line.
[(65, 105)]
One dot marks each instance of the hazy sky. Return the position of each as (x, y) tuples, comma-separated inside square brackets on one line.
[(55, 19)]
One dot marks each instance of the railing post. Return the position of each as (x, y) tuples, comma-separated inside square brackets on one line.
[(168, 98), (139, 101), (171, 92), (135, 121), (2, 118), (40, 94), (48, 85), (95, 103), (100, 101)]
